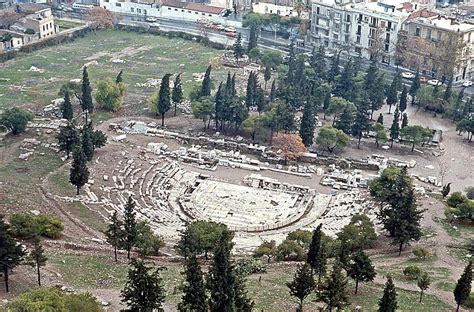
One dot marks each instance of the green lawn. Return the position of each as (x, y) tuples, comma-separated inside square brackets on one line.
[(145, 56), (66, 24)]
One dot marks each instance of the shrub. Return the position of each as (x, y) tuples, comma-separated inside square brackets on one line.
[(412, 272), (110, 95), (15, 119), (470, 192), (247, 266), (82, 303), (26, 226), (456, 199), (421, 252), (148, 243)]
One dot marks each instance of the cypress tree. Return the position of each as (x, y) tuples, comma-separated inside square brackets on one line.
[(221, 277), (11, 253), (194, 291), (404, 120), (242, 302), (403, 99), (302, 284), (371, 76), (234, 90), (219, 105), (115, 232), (380, 119), (119, 78), (164, 100), (361, 269), (344, 123), (326, 103), (392, 96), (317, 257), (273, 91), (267, 75), (177, 93), (333, 291), (130, 226), (334, 70), (345, 85), (144, 289), (260, 101), (395, 128), (388, 302), (415, 86), (253, 37), (87, 143), (463, 286), (206, 82), (66, 108), (79, 174), (86, 101), (238, 49), (36, 258), (67, 138), (307, 125), (251, 86)]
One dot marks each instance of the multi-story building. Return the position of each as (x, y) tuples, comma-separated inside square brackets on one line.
[(279, 7), (439, 46), (368, 29), (41, 22)]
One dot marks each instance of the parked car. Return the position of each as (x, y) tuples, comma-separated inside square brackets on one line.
[(408, 75), (467, 83), (231, 34), (328, 54), (434, 82), (151, 19)]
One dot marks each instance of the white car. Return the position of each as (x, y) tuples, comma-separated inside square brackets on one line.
[(408, 75), (467, 83), (434, 82), (328, 54), (151, 19)]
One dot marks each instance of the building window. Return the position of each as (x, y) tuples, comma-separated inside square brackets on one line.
[(347, 28), (189, 11), (144, 12), (385, 60), (387, 47), (346, 38), (418, 32), (203, 13), (196, 12), (132, 9), (139, 10), (176, 9), (389, 26), (358, 39), (118, 4), (182, 10), (335, 36), (210, 15), (358, 50), (359, 19), (359, 30), (169, 9), (348, 18), (317, 10), (428, 33)]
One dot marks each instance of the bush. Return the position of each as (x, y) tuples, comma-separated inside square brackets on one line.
[(456, 199), (421, 252), (247, 266), (26, 226), (15, 119), (412, 272), (470, 192), (82, 303), (110, 95), (148, 243)]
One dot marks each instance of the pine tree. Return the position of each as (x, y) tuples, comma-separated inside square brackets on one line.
[(423, 283), (376, 95), (194, 291), (119, 78), (144, 289), (371, 76), (334, 70), (318, 61), (302, 284), (164, 100), (392, 96), (463, 286), (403, 100), (361, 122), (307, 125), (177, 93), (388, 302), (238, 49), (115, 232), (221, 277), (415, 86), (11, 252), (345, 121), (36, 258), (395, 128), (206, 82), (87, 144), (267, 75), (317, 257), (86, 100), (130, 226), (253, 37), (273, 91), (380, 119), (67, 138), (345, 85), (66, 108), (333, 291), (79, 174), (361, 269), (404, 120)]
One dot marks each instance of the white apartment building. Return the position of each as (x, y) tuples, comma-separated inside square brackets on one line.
[(368, 29)]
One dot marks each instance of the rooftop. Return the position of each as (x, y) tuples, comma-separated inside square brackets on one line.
[(199, 7), (443, 22)]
